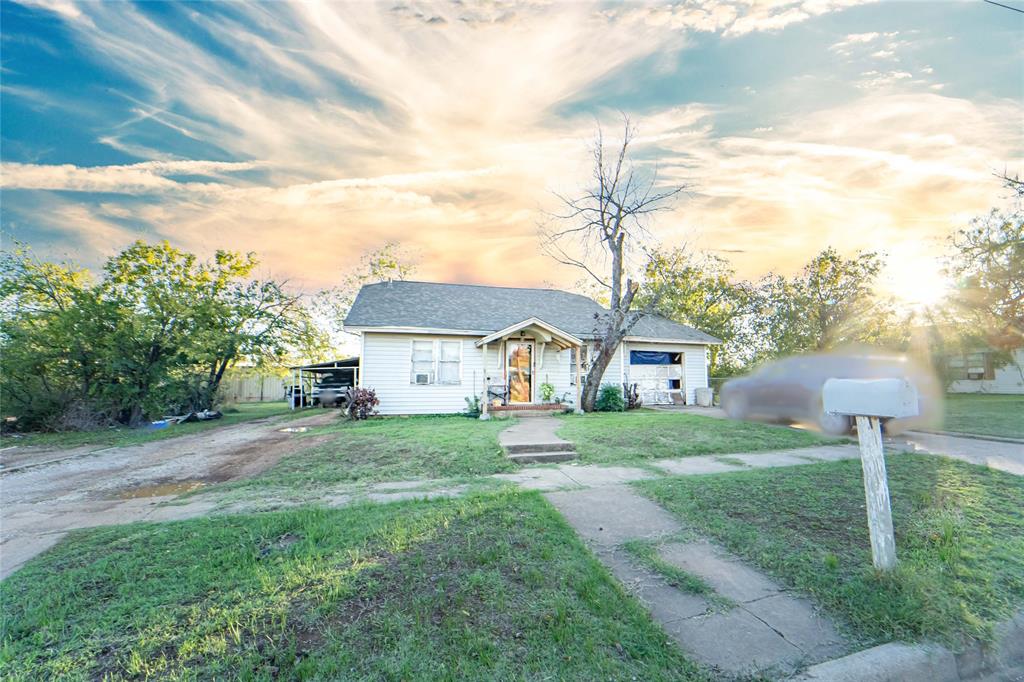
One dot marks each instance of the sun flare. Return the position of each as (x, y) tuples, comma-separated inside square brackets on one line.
[(918, 282)]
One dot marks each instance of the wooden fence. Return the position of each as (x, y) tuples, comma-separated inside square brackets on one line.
[(253, 388)]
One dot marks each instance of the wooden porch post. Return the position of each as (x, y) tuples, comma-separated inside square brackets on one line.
[(579, 380), (483, 408)]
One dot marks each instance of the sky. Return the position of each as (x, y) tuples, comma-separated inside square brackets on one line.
[(313, 132)]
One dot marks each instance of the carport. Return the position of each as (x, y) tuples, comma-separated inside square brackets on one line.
[(306, 376)]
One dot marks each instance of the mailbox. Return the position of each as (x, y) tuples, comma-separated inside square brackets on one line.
[(870, 397)]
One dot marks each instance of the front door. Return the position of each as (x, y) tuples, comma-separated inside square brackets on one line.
[(520, 371)]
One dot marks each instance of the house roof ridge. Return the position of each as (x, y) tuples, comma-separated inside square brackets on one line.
[(480, 286)]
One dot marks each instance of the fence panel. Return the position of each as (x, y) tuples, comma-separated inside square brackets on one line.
[(252, 389)]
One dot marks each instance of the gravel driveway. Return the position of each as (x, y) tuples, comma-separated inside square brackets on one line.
[(125, 484)]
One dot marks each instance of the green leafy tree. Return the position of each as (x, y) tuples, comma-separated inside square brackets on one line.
[(701, 292), (988, 265), (155, 333), (382, 264), (831, 302)]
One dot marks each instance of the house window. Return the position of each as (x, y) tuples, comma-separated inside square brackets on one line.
[(449, 362), (436, 362), (422, 362), (972, 366), (584, 364)]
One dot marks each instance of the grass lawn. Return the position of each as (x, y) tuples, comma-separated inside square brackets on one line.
[(959, 540), (481, 588), (990, 415), (611, 437), (124, 436), (390, 449)]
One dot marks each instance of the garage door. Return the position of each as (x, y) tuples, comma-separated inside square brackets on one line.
[(656, 376)]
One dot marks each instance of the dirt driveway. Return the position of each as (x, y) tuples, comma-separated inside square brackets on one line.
[(40, 503)]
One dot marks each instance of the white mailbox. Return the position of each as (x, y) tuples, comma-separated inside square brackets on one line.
[(870, 397)]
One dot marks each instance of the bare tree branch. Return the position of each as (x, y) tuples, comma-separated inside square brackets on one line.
[(599, 229)]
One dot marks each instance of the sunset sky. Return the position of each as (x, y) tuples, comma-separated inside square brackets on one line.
[(311, 132)]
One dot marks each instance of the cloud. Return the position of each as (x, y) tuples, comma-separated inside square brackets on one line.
[(145, 177), (348, 128)]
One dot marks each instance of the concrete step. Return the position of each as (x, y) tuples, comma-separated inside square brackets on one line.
[(502, 414), (555, 446), (543, 457)]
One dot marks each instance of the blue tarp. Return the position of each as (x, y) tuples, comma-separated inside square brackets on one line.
[(650, 357)]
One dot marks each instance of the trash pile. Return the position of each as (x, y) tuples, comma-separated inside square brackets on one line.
[(201, 416)]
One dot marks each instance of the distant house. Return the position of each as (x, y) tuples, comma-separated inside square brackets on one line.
[(975, 372), (427, 346)]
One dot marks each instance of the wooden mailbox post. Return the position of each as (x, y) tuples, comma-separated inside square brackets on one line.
[(869, 401)]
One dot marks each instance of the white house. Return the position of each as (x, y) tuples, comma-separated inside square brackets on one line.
[(974, 372), (427, 346)]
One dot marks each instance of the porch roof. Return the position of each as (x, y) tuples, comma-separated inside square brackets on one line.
[(539, 329)]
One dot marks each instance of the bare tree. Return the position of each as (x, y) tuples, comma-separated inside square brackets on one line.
[(607, 223)]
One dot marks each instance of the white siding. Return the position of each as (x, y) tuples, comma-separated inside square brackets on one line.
[(695, 370), (387, 364), (1008, 379)]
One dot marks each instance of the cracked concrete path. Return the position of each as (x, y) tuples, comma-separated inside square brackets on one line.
[(766, 630), (575, 475)]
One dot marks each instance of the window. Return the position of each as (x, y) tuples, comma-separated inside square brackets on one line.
[(436, 362), (973, 366), (422, 362), (584, 364), (449, 362)]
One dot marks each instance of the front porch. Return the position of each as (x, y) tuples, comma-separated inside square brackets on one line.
[(521, 349), (528, 410)]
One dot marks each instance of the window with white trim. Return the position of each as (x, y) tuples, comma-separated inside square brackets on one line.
[(449, 362), (436, 362), (422, 362), (584, 364)]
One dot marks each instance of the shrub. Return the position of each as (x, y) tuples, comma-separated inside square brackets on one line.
[(547, 392), (472, 406), (610, 399), (362, 403)]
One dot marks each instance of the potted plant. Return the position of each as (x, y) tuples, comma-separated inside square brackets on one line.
[(547, 392)]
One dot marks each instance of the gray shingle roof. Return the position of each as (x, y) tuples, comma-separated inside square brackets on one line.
[(471, 307)]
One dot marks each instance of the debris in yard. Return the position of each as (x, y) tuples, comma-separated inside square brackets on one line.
[(201, 416), (294, 429)]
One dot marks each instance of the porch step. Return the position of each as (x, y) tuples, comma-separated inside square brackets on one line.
[(501, 414), (553, 446), (542, 457)]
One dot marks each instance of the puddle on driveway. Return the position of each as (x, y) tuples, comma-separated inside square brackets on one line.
[(160, 489), (294, 429)]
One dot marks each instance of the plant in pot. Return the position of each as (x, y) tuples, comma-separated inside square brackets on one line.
[(547, 392)]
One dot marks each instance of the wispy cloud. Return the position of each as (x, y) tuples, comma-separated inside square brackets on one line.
[(441, 125)]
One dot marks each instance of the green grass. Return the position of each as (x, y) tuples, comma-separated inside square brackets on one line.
[(959, 539), (124, 436), (611, 437), (480, 588), (646, 553), (390, 449), (990, 415)]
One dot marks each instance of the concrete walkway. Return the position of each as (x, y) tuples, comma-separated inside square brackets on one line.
[(574, 475), (766, 631), (1000, 455), (533, 440)]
